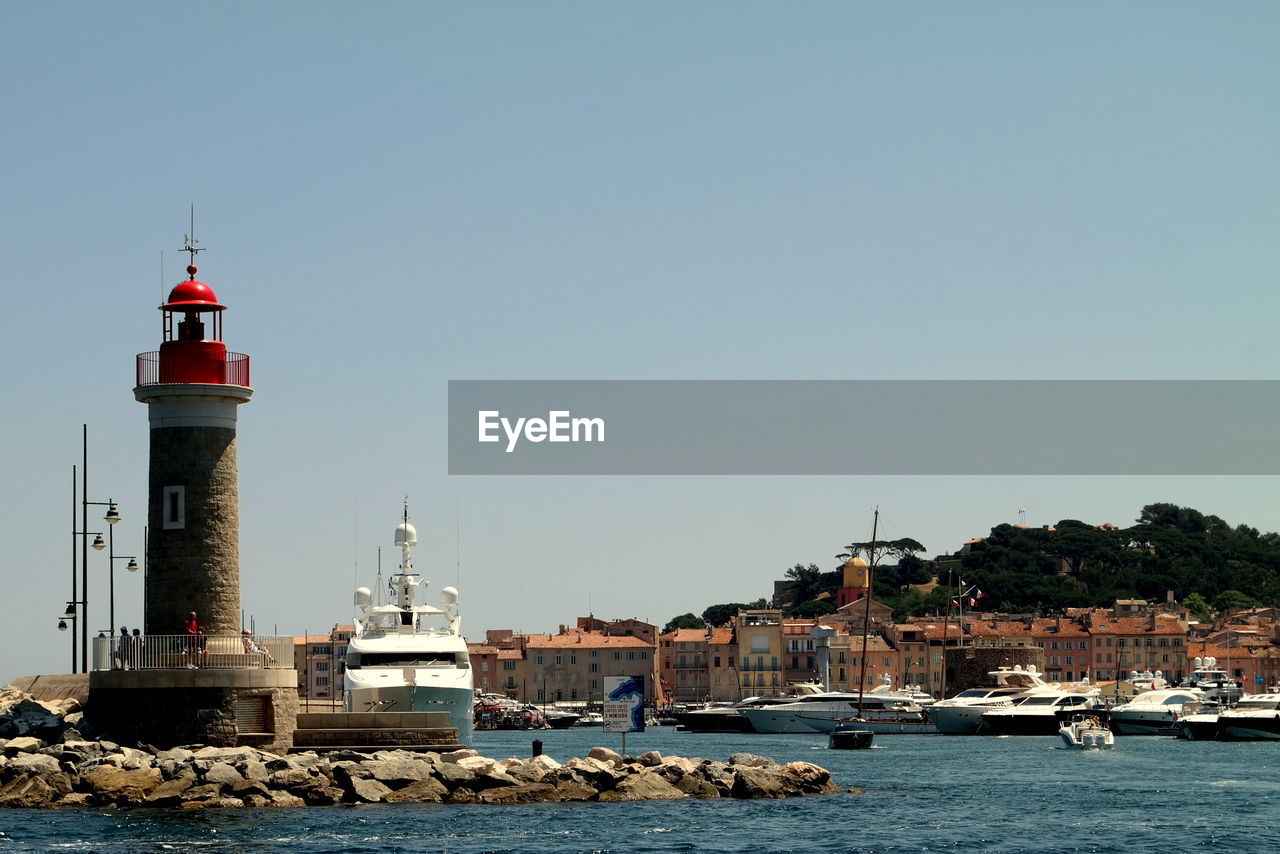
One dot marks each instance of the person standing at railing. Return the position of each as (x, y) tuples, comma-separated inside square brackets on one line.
[(196, 641), (122, 650), (134, 659)]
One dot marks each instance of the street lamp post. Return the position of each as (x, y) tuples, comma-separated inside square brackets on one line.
[(69, 615), (112, 557)]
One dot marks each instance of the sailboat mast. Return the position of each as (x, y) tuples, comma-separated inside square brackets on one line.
[(866, 611)]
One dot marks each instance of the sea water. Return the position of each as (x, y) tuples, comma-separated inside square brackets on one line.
[(917, 793)]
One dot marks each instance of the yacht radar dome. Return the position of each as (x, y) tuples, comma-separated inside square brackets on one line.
[(449, 597), (406, 535)]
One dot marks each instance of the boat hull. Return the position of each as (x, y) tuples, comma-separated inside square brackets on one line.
[(728, 721), (886, 726), (413, 698), (957, 720), (1141, 723), (1040, 724), (1250, 727)]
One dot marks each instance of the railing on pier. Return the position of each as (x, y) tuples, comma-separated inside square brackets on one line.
[(175, 652)]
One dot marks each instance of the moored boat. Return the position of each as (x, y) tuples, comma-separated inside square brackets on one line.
[(404, 656), (1152, 711), (962, 714), (1255, 718)]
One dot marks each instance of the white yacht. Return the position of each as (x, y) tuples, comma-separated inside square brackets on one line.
[(1152, 711), (822, 711), (1038, 713), (409, 657), (962, 714), (1213, 680), (1254, 718)]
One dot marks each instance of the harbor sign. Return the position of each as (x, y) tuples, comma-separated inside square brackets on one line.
[(624, 704)]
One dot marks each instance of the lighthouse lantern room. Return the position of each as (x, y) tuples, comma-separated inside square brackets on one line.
[(192, 350)]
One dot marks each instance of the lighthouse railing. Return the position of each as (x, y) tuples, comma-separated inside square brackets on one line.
[(232, 370), (176, 652)]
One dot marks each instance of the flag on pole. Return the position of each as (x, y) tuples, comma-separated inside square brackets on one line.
[(955, 603)]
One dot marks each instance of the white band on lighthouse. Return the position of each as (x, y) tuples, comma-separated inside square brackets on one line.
[(192, 404)]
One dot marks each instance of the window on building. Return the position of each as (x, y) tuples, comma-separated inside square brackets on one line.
[(322, 665), (1068, 659), (322, 680), (573, 659), (617, 656), (511, 681), (508, 665), (558, 661), (716, 661), (594, 667)]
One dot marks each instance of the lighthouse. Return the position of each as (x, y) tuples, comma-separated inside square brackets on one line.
[(215, 686), (193, 388)]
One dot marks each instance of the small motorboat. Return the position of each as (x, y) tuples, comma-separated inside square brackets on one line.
[(1086, 732), (850, 735)]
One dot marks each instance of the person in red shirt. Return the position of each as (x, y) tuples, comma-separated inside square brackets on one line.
[(195, 641)]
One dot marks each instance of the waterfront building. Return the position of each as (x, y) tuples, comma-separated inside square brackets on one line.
[(683, 666), (320, 661), (572, 665), (1067, 645), (759, 636), (722, 664)]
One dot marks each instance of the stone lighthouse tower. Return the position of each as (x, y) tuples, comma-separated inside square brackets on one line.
[(213, 686), (192, 388)]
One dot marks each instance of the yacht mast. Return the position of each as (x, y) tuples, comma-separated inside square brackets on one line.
[(866, 616)]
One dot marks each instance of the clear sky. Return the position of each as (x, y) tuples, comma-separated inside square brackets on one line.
[(394, 195)]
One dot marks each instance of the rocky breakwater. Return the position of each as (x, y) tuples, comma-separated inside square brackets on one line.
[(48, 762)]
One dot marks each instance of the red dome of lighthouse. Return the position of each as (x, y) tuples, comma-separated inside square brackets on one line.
[(192, 296)]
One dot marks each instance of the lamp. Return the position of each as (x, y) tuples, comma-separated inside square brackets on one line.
[(98, 543)]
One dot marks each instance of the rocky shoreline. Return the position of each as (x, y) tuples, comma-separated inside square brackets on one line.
[(50, 760)]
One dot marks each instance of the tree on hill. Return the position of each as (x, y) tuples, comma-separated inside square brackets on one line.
[(684, 621), (813, 608), (718, 615)]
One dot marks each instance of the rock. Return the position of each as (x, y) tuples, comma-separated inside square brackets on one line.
[(346, 771), (295, 778), (524, 793), (594, 771), (76, 799), (398, 772), (571, 790), (223, 774), (117, 785), (493, 779), (27, 717), (695, 786), (751, 760), (255, 771), (813, 779), (755, 782), (454, 775), (604, 754), (479, 765), (646, 786), (323, 796), (170, 792), (284, 799), (462, 795), (651, 759), (367, 791), (27, 792), (29, 764), (455, 755), (24, 744), (425, 791)]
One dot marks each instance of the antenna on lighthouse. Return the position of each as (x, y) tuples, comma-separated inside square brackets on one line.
[(190, 244), (1022, 516)]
